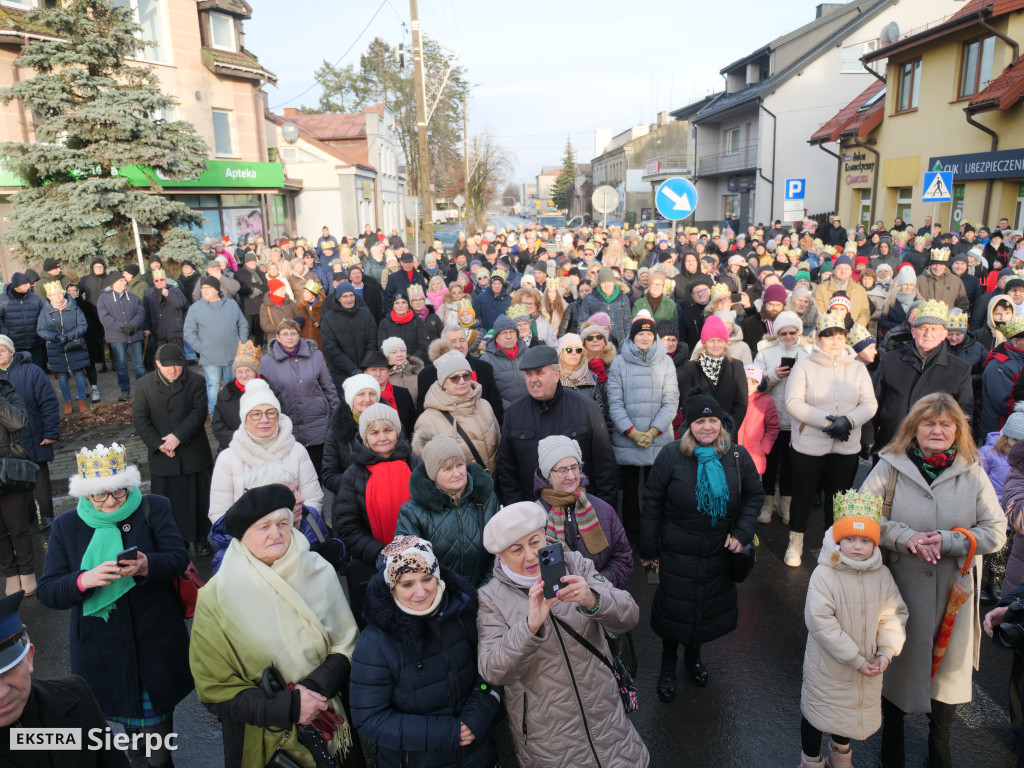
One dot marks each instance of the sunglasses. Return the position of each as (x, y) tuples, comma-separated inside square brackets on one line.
[(593, 338), (458, 378), (577, 350)]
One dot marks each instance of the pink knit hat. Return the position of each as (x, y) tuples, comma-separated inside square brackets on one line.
[(602, 319), (714, 328)]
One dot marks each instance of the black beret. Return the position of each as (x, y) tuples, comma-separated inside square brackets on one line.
[(255, 504)]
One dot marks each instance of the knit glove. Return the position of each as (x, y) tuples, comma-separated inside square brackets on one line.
[(637, 437), (597, 366), (643, 439), (128, 329), (61, 339), (256, 292)]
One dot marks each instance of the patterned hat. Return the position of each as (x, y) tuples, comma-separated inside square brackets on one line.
[(1013, 328), (246, 356), (102, 470), (857, 514), (516, 311), (313, 286), (932, 311), (53, 287), (407, 554), (957, 321), (939, 256), (859, 338), (718, 290), (839, 297), (414, 290), (827, 322)]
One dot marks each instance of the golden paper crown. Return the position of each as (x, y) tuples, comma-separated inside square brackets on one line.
[(313, 286), (628, 263), (932, 311), (517, 310), (53, 287), (414, 290), (590, 245), (101, 462), (1013, 328), (858, 334), (854, 504), (956, 321), (718, 290), (248, 354), (159, 274), (462, 304), (940, 255)]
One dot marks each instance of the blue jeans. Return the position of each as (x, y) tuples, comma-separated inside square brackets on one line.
[(190, 354), (215, 376), (119, 354), (65, 390)]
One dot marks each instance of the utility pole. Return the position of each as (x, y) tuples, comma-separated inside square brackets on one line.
[(465, 151), (421, 125)]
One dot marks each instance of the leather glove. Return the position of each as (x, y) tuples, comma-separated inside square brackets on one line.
[(637, 436), (128, 329), (331, 550), (839, 429), (866, 449)]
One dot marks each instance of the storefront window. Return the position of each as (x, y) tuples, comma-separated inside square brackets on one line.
[(864, 217), (904, 200), (731, 206)]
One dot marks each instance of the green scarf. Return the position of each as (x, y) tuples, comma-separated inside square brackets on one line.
[(608, 299), (103, 546), (712, 488)]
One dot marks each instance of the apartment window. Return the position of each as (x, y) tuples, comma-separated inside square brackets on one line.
[(909, 85), (222, 32), (223, 145), (149, 16), (904, 200), (976, 65), (850, 63), (732, 141), (26, 4)]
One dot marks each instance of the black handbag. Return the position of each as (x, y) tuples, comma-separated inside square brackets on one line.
[(742, 563), (74, 345), (621, 647), (18, 475), (628, 691)]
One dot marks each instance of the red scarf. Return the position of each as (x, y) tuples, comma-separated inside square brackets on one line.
[(386, 492), (403, 319), (387, 394), (278, 300), (510, 352), (240, 385)]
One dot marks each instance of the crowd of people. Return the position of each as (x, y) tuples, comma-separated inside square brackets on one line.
[(406, 451)]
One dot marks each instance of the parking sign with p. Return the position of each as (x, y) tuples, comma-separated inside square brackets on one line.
[(795, 189)]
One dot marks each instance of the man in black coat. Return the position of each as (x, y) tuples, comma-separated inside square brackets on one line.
[(368, 289), (549, 409), (691, 317), (165, 311), (399, 282), (347, 333), (252, 284), (457, 338)]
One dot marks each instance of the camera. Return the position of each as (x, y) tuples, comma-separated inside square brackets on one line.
[(1010, 632)]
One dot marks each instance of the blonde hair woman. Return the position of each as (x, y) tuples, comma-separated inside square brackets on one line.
[(553, 306)]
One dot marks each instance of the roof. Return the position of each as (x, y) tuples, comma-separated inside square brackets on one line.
[(691, 109), (240, 64), (1003, 92), (757, 91), (854, 119), (330, 127), (556, 172), (307, 136)]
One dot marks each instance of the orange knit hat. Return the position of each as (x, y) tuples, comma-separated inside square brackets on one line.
[(857, 514)]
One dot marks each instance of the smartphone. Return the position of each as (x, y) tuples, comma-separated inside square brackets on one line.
[(552, 568), (653, 574), (735, 298), (787, 362), (127, 555)]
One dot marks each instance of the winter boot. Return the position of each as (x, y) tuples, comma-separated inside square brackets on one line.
[(67, 408), (837, 759), (81, 407), (13, 585), (766, 510), (95, 393), (667, 679), (806, 762), (795, 550), (784, 503), (28, 583)]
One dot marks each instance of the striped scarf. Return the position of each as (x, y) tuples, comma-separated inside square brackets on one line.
[(586, 518)]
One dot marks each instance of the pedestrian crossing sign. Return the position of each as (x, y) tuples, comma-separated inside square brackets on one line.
[(937, 186)]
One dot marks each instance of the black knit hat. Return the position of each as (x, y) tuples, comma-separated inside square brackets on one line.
[(132, 269), (640, 325), (700, 405), (211, 281), (254, 504), (667, 328)]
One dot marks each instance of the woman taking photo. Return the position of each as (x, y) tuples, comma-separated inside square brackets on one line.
[(829, 398), (562, 701), (127, 637), (701, 503), (416, 692), (931, 473), (273, 603), (717, 374)]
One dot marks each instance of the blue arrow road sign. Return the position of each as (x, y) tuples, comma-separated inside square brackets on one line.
[(676, 198), (796, 189), (937, 187)]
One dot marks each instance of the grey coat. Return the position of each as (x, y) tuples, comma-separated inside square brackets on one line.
[(642, 393), (214, 328), (967, 501), (508, 376), (307, 392)]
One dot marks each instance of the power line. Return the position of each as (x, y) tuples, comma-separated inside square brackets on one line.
[(346, 53)]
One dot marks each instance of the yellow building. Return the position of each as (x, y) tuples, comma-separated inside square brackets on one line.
[(950, 101)]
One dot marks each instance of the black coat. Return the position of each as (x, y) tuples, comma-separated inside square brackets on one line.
[(398, 285), (226, 416), (730, 392), (902, 379), (165, 315), (691, 323), (484, 377), (40, 402), (252, 286), (415, 680), (373, 297), (144, 644), (406, 408), (567, 413), (340, 450), (19, 313), (413, 333), (188, 284), (346, 335), (64, 702), (696, 600), (178, 408)]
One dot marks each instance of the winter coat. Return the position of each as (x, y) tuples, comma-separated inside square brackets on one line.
[(347, 335), (455, 529), (235, 462), (408, 376), (165, 315), (119, 309), (214, 329), (272, 315), (138, 286), (567, 413), (902, 379), (994, 463), (472, 413), (488, 306), (90, 286), (415, 681), (946, 287), (1013, 506), (180, 409), (972, 352), (311, 313), (19, 316), (860, 307), (691, 322), (853, 612), (696, 600), (618, 309), (562, 702), (961, 496), (252, 287), (342, 445), (413, 333), (1002, 371), (68, 322), (667, 309), (144, 644), (483, 374), (759, 429), (40, 403), (432, 323), (13, 418), (769, 357), (398, 285), (510, 379), (307, 393), (896, 316), (730, 391), (371, 295), (643, 393), (226, 416), (614, 562), (822, 385)]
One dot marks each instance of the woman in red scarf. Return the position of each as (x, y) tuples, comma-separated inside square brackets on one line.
[(278, 307), (372, 492), (403, 323)]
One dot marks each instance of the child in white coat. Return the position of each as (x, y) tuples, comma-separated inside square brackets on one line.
[(856, 623)]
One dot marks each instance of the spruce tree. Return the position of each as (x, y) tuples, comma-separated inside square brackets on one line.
[(93, 111), (566, 179)]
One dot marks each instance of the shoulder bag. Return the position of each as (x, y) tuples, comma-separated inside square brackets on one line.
[(18, 475), (628, 691), (465, 437)]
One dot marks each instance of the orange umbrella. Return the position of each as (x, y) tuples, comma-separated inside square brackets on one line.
[(959, 592)]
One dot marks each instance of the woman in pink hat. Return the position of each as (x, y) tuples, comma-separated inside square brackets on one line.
[(717, 374)]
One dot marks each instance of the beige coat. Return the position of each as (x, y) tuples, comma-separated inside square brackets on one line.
[(967, 501), (769, 357), (860, 307), (408, 377), (853, 612), (472, 413), (822, 385), (563, 704)]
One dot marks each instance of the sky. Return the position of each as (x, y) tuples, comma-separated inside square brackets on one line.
[(540, 71)]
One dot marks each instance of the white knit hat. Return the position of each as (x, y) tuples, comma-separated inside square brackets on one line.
[(5, 341), (354, 384), (391, 343), (553, 449), (257, 392), (787, 319)]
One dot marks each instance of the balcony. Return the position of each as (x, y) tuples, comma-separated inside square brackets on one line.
[(741, 159), (667, 165)]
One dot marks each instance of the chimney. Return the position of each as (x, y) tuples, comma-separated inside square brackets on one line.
[(662, 118), (824, 9), (292, 112)]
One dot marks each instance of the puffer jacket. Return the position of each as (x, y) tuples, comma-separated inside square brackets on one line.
[(413, 333), (214, 328), (1013, 506), (488, 306), (415, 681), (994, 463), (769, 357), (13, 418), (563, 704), (853, 612), (307, 393), (472, 413), (347, 335), (822, 385), (643, 393), (511, 380), (342, 445), (19, 314), (759, 429), (40, 401), (617, 307), (1003, 369), (119, 309), (455, 530), (69, 322)]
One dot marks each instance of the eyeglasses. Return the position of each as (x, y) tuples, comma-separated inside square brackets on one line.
[(119, 495), (458, 378), (564, 471), (576, 350), (593, 338), (260, 415), (701, 290), (789, 333)]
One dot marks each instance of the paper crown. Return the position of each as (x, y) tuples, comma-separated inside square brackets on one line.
[(414, 290), (854, 504), (859, 338), (103, 469), (827, 322), (462, 304), (628, 263), (718, 290), (956, 321), (159, 274), (932, 311), (248, 354), (940, 255), (1013, 328), (313, 286), (517, 310), (53, 287), (499, 274), (590, 246)]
